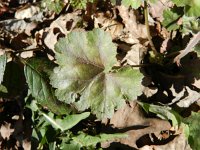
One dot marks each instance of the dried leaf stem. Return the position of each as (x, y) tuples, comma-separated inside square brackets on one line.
[(24, 50), (147, 27), (192, 43)]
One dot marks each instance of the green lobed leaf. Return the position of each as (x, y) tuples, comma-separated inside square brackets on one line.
[(192, 8), (180, 2), (68, 122), (163, 112), (85, 140), (55, 5), (3, 60), (194, 130), (80, 4), (133, 3), (85, 61), (190, 25), (108, 91), (36, 72), (171, 17)]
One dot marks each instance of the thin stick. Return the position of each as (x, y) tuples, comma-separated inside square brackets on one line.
[(147, 27), (142, 65), (23, 50)]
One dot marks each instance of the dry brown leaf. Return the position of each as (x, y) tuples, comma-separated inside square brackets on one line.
[(27, 11), (148, 92), (112, 26), (60, 27), (26, 144), (135, 55), (156, 9), (17, 26), (6, 130), (192, 97), (130, 120), (166, 45), (179, 143), (133, 30)]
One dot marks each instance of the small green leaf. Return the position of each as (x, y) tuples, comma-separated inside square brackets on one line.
[(163, 112), (133, 3), (68, 122), (3, 89), (190, 25), (3, 60), (171, 17), (180, 2), (85, 140), (194, 130), (36, 72), (80, 4), (85, 68), (192, 8), (55, 5)]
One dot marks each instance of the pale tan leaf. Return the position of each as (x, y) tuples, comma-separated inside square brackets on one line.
[(27, 11), (132, 121), (133, 30), (61, 26), (6, 130)]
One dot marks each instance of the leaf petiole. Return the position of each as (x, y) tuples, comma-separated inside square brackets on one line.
[(148, 30)]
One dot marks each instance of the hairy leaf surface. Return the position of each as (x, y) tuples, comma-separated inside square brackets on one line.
[(36, 72), (85, 61), (3, 60)]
